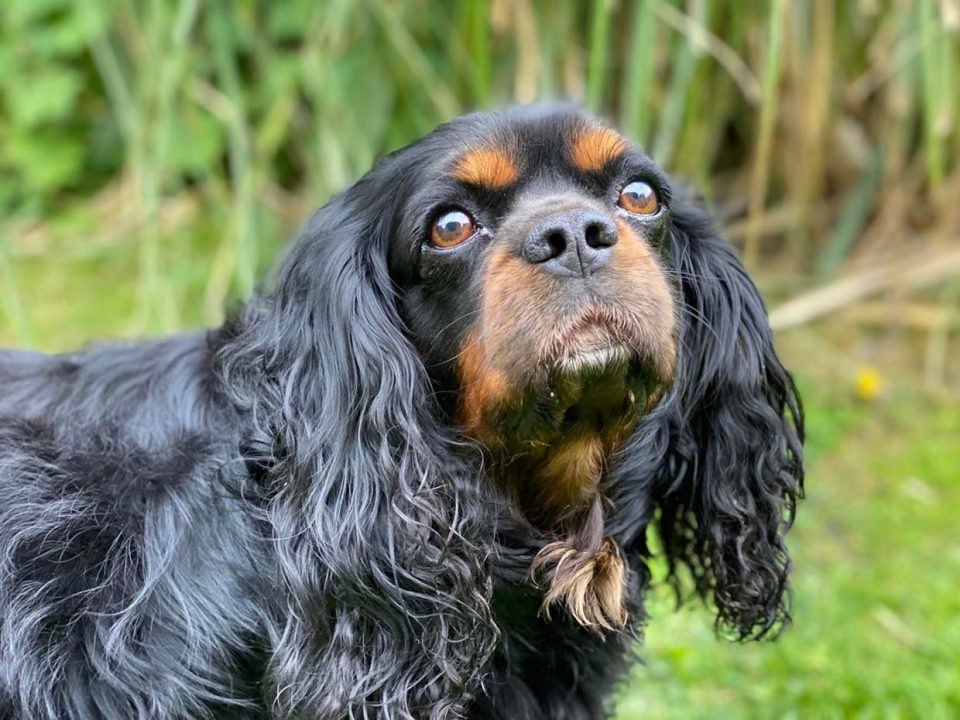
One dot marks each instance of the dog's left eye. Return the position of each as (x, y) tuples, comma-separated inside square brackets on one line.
[(639, 198), (451, 228)]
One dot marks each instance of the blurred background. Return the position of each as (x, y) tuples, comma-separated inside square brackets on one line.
[(155, 154)]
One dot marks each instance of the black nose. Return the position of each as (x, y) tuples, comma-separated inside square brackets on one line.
[(571, 243)]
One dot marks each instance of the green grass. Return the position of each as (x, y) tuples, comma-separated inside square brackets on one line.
[(876, 630)]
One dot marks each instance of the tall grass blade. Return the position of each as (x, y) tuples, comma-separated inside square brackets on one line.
[(638, 82), (598, 52), (683, 65), (852, 219), (761, 162)]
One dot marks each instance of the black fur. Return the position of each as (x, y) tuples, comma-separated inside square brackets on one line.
[(277, 518)]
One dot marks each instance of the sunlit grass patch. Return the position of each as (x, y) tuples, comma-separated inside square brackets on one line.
[(876, 630)]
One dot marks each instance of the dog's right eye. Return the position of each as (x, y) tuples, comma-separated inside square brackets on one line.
[(451, 228)]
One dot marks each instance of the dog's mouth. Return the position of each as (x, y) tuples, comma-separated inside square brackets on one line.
[(597, 388), (593, 372), (595, 378), (601, 338)]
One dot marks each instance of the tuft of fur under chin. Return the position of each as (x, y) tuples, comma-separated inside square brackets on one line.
[(585, 572)]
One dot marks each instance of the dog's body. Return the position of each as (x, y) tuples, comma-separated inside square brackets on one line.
[(336, 505), (143, 588)]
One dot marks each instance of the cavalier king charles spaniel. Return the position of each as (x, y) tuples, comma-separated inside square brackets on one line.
[(422, 473)]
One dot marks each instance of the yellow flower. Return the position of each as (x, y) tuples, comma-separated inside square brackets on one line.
[(868, 383)]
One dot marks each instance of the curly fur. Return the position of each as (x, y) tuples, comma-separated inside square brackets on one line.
[(277, 518)]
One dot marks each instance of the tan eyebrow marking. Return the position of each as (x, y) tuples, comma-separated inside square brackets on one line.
[(489, 167), (593, 147)]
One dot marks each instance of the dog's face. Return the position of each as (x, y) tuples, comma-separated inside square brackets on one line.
[(532, 262)]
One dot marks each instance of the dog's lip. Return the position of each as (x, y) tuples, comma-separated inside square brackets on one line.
[(594, 355), (592, 340)]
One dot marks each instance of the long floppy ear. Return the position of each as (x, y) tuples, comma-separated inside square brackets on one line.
[(735, 466), (380, 536)]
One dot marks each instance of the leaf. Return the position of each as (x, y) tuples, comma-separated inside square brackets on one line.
[(43, 96), (288, 20), (66, 36), (23, 12), (46, 160)]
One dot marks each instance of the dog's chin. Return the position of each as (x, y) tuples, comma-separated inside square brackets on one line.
[(581, 368), (596, 382), (599, 382)]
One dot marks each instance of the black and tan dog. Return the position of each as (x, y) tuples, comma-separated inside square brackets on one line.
[(416, 476)]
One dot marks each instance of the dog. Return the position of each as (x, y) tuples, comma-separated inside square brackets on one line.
[(418, 475)]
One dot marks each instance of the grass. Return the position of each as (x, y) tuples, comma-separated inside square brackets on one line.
[(876, 630)]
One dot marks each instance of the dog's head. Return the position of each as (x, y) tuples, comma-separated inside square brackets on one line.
[(531, 281), (532, 266)]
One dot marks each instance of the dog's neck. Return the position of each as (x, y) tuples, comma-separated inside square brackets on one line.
[(557, 487), (549, 446), (554, 484)]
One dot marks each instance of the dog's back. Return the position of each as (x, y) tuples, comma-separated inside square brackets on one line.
[(165, 378), (111, 531), (30, 382)]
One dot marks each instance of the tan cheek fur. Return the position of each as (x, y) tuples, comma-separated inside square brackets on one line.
[(481, 386), (639, 268)]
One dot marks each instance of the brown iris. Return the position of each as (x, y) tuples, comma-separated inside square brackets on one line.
[(639, 198), (451, 228)]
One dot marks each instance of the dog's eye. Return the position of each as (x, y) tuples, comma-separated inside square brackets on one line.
[(639, 198), (451, 228)]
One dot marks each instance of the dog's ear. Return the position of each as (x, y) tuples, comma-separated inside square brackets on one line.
[(380, 536), (735, 468)]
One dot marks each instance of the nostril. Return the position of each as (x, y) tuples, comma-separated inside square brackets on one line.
[(572, 242), (599, 235), (592, 235), (557, 243)]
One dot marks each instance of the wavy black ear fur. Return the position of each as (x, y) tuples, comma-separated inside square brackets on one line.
[(381, 539), (735, 470)]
